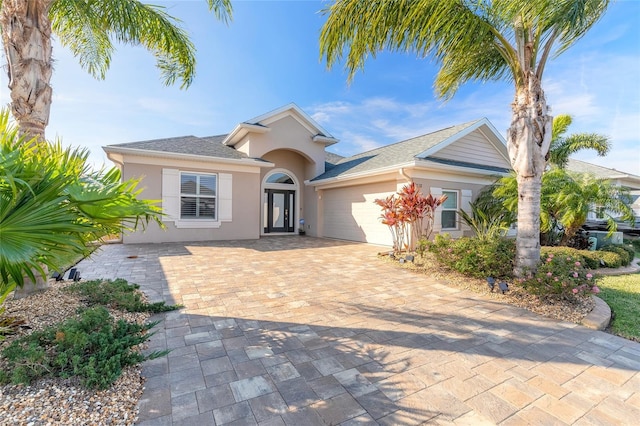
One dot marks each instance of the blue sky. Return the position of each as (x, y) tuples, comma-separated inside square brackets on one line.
[(268, 56)]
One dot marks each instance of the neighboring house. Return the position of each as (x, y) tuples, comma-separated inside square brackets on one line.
[(627, 180), (273, 171)]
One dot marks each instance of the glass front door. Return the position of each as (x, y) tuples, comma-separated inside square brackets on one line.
[(279, 208)]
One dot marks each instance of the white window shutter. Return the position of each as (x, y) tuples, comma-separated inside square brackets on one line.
[(466, 196), (437, 219), (225, 191), (171, 194)]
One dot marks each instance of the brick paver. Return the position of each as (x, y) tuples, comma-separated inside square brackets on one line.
[(305, 331)]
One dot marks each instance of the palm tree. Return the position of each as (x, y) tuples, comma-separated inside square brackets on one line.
[(566, 197), (88, 28), (475, 40), (562, 147)]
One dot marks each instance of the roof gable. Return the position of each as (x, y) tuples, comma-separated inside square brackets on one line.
[(260, 124), (482, 126)]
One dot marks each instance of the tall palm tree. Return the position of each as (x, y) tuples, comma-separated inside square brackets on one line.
[(475, 40), (88, 28), (567, 197)]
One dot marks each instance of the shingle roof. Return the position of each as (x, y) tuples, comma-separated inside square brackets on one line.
[(208, 147), (598, 171), (331, 159), (390, 155)]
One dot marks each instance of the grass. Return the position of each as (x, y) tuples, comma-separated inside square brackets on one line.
[(622, 294)]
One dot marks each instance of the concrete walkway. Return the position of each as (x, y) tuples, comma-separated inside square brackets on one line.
[(305, 331)]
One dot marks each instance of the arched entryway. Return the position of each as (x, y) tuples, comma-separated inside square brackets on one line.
[(279, 202)]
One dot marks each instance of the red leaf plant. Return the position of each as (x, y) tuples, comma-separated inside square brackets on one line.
[(409, 216)]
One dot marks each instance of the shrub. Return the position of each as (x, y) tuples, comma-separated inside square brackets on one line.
[(118, 294), (629, 249), (636, 244), (475, 257), (93, 347), (592, 259), (560, 276), (609, 259), (580, 240), (577, 255), (624, 255)]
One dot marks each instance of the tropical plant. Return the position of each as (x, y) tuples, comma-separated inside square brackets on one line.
[(392, 217), (409, 215), (475, 40), (52, 205), (88, 28), (566, 200), (487, 224)]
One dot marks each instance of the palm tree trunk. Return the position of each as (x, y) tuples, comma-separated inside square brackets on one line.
[(26, 37), (528, 141)]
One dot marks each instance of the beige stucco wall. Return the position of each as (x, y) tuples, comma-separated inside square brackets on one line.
[(286, 133), (245, 204)]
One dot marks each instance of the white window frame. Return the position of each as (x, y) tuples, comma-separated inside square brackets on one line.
[(197, 196), (448, 192)]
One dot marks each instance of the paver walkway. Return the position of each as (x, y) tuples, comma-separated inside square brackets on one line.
[(305, 331)]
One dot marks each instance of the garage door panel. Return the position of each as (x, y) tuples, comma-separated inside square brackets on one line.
[(351, 214)]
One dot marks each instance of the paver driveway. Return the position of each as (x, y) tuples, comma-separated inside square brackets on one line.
[(305, 331)]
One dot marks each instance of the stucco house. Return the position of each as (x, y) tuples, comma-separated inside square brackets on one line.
[(624, 179), (273, 175)]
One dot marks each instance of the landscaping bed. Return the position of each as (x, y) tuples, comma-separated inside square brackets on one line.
[(571, 311), (56, 400)]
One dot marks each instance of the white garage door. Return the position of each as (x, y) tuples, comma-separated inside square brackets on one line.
[(351, 214)]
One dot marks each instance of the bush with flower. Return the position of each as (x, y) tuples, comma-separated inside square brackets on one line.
[(563, 277)]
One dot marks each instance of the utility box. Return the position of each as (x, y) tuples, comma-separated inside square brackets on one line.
[(603, 240)]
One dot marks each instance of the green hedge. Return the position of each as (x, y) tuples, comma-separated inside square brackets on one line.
[(474, 257), (611, 256)]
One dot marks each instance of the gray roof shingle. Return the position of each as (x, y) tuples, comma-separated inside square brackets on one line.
[(208, 147), (390, 155), (598, 171)]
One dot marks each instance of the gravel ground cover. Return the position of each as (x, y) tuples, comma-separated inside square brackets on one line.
[(64, 401)]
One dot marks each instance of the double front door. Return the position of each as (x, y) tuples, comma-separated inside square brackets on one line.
[(280, 208)]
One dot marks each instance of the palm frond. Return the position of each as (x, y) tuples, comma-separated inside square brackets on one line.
[(89, 27)]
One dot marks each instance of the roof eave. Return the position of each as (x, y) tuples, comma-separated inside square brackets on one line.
[(324, 140), (172, 155), (425, 163), (358, 175), (241, 130)]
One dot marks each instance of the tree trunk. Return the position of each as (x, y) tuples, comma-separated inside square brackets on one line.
[(26, 37), (528, 141)]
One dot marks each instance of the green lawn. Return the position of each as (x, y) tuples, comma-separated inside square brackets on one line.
[(622, 294)]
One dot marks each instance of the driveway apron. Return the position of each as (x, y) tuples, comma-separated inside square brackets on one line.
[(306, 331)]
